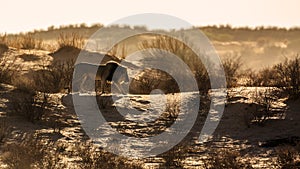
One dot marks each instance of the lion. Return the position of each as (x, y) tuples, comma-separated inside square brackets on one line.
[(111, 71)]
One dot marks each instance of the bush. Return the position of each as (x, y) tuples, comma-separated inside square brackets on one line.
[(150, 79), (3, 44), (288, 157), (54, 78), (267, 77), (181, 50), (32, 153), (29, 105), (93, 158), (172, 109), (231, 67), (73, 39), (224, 158), (289, 75), (27, 41), (264, 100), (3, 48), (284, 75), (23, 155), (7, 70), (173, 157), (22, 41)]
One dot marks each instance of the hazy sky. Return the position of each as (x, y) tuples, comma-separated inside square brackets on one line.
[(26, 15)]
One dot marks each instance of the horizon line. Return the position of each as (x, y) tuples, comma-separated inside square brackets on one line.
[(89, 25)]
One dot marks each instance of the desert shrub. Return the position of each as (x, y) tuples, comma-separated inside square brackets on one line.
[(3, 38), (29, 105), (22, 41), (201, 77), (284, 75), (288, 157), (24, 154), (53, 157), (232, 68), (94, 158), (289, 75), (181, 50), (151, 79), (73, 39), (224, 158), (147, 84), (7, 69), (173, 157), (32, 153), (265, 77), (264, 101), (3, 44), (172, 108), (54, 78), (24, 84), (3, 48), (27, 41), (119, 51)]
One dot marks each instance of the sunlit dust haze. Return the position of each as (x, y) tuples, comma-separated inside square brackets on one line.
[(21, 16)]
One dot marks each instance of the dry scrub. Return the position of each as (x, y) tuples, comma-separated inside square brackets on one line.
[(224, 158), (73, 39), (288, 157), (7, 69)]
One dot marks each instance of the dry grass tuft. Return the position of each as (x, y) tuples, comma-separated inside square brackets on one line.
[(32, 153), (288, 157), (27, 41), (224, 158), (24, 154), (73, 39), (7, 69), (93, 158), (29, 105)]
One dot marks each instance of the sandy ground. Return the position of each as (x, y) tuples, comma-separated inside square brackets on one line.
[(236, 131)]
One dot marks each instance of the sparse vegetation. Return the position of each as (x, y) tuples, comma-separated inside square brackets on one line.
[(22, 41), (264, 102), (29, 105), (94, 158), (25, 154), (7, 69), (223, 158), (181, 50), (289, 75), (3, 48), (173, 157), (3, 44), (27, 41), (32, 152), (54, 78), (73, 39), (288, 157), (34, 88), (232, 69), (151, 79), (172, 109), (284, 75)]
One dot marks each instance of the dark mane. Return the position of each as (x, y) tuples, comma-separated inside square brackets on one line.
[(111, 66)]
